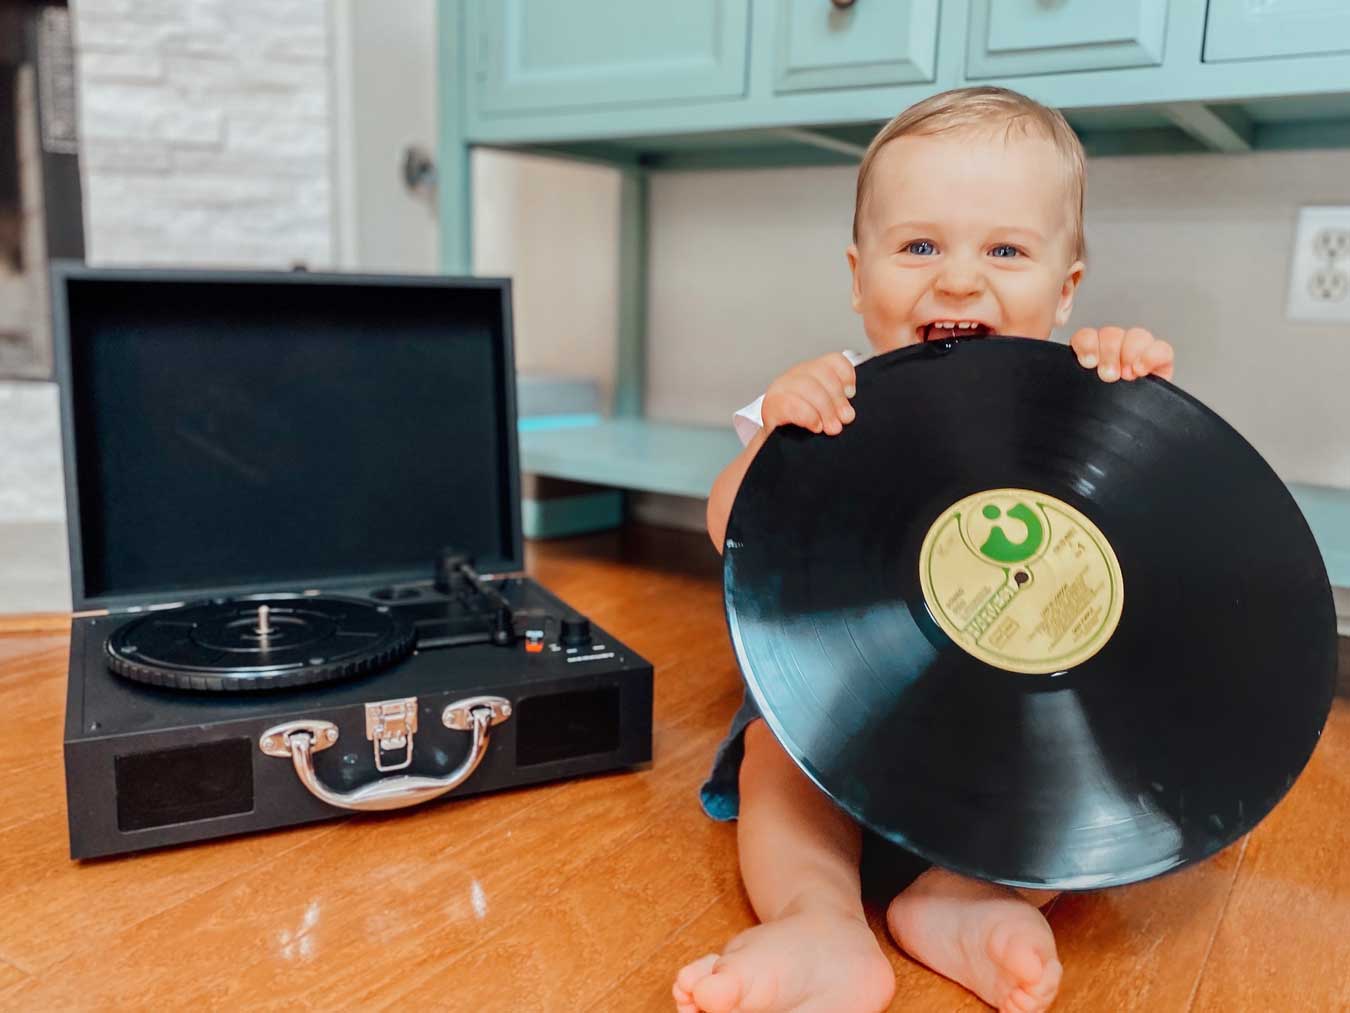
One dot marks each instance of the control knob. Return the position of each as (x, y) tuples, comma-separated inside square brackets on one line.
[(575, 630)]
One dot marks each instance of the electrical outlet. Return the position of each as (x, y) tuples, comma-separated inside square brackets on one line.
[(1319, 275)]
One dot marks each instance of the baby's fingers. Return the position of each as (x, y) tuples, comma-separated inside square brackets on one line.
[(835, 374), (1085, 346), (835, 411), (842, 370), (1109, 341), (1156, 359), (1131, 348), (801, 412)]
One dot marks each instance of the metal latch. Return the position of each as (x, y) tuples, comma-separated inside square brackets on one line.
[(390, 725)]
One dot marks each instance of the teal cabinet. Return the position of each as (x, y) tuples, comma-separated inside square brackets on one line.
[(539, 55), (717, 83), (1243, 30), (1013, 38), (654, 86), (823, 46)]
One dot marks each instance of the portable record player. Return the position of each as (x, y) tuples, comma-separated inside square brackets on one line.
[(294, 519)]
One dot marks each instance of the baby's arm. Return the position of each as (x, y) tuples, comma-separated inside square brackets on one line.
[(726, 486), (813, 395)]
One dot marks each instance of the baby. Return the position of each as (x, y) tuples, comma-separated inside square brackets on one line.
[(968, 221)]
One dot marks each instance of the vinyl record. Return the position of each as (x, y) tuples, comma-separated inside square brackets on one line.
[(259, 642), (1036, 628)]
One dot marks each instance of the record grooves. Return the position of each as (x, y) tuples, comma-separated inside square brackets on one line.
[(1036, 628)]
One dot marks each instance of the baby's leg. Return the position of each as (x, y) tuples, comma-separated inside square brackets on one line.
[(990, 939), (814, 952)]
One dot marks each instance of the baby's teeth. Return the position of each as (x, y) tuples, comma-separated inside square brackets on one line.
[(965, 324)]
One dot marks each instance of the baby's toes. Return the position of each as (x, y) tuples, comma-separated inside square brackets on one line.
[(719, 991), (690, 975), (1037, 996), (1044, 990), (740, 982)]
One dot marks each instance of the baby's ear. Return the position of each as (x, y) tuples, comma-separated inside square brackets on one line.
[(1067, 292), (852, 255)]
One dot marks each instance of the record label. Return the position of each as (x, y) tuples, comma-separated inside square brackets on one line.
[(1021, 580)]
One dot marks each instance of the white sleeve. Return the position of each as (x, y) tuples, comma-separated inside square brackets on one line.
[(748, 421), (855, 358)]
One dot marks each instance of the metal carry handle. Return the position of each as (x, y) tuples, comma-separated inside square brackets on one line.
[(300, 740)]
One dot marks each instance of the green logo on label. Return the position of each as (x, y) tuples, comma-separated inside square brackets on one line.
[(999, 547)]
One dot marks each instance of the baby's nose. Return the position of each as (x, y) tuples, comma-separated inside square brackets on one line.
[(959, 277)]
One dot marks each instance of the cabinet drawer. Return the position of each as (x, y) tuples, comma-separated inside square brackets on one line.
[(1243, 30), (540, 55), (1011, 38), (820, 46)]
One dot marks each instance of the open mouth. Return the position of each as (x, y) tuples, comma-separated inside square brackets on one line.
[(941, 330)]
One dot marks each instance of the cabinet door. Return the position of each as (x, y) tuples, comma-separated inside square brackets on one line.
[(1010, 38), (822, 46), (546, 54), (1252, 29)]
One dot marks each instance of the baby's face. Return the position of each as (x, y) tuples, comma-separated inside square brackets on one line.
[(964, 228)]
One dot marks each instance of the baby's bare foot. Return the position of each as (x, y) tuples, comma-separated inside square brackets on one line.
[(983, 936), (815, 962)]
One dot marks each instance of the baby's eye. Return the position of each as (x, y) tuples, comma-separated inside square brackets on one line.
[(921, 247), (1004, 250)]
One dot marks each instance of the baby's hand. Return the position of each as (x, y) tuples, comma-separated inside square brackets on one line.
[(1122, 355), (813, 395)]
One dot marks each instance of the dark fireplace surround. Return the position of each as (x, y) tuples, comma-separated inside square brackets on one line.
[(41, 216)]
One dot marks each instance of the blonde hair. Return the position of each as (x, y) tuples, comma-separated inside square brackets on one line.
[(986, 107)]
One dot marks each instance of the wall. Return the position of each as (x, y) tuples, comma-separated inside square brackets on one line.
[(205, 131), (205, 138), (552, 226), (749, 276)]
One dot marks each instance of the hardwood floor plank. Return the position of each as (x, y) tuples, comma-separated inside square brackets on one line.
[(33, 792), (1141, 947), (55, 907), (647, 986), (1284, 942), (35, 623), (10, 978), (590, 930), (33, 684)]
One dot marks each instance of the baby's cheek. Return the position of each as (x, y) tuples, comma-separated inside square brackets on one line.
[(889, 340), (884, 332), (1039, 327)]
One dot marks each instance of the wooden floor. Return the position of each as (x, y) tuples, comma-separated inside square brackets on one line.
[(585, 895)]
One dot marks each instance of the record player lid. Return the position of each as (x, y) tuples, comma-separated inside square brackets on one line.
[(228, 432)]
